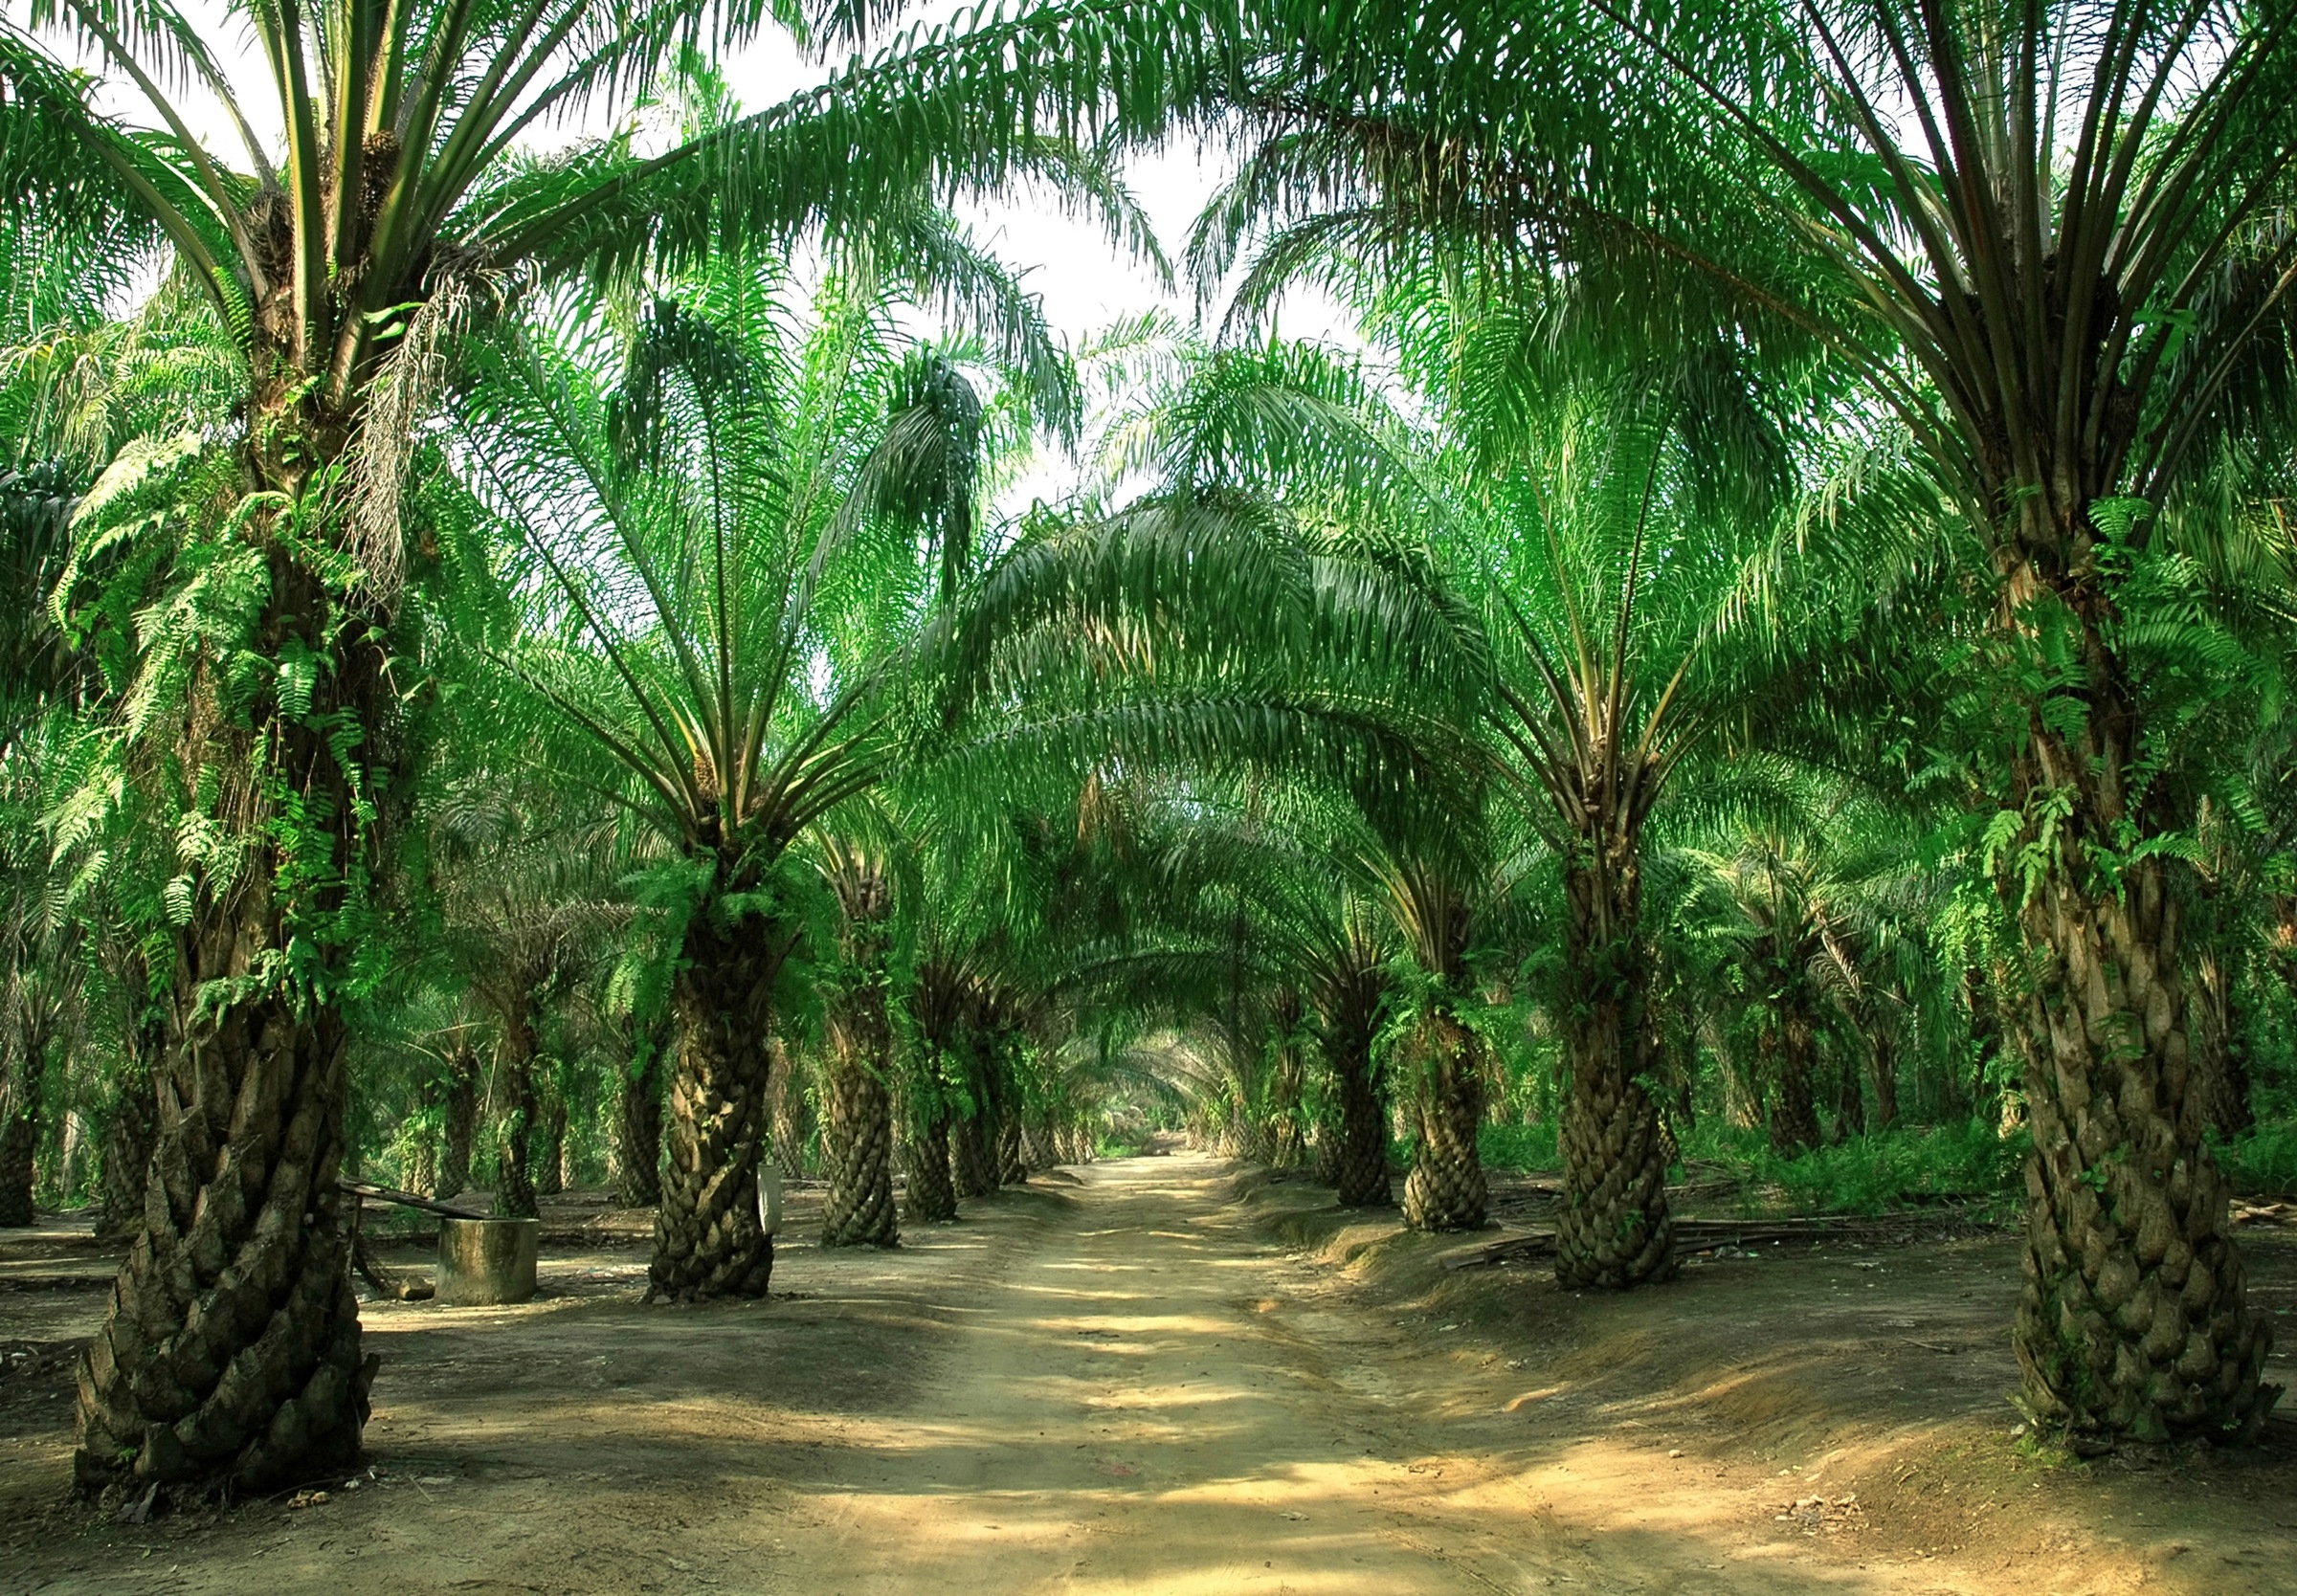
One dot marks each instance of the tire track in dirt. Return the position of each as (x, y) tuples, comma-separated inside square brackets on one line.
[(1152, 1399)]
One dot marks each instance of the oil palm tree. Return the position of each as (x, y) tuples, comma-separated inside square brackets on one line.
[(528, 906), (857, 1083), (2043, 240), (718, 512), (341, 250)]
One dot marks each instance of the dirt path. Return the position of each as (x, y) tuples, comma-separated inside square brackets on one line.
[(1122, 1381)]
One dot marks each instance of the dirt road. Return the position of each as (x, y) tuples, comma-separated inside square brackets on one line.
[(1142, 1377)]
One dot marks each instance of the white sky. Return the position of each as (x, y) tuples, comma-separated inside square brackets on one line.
[(1068, 263)]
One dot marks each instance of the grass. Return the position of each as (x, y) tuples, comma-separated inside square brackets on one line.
[(1907, 1167), (1519, 1147), (2261, 1161)]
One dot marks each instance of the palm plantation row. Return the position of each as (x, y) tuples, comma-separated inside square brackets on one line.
[(1785, 625)]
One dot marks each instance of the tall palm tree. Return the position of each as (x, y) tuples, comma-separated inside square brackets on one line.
[(857, 1083), (718, 513), (2042, 239), (342, 249), (1611, 581)]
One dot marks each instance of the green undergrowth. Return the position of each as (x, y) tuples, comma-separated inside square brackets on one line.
[(1907, 1167), (2261, 1161), (1518, 1148)]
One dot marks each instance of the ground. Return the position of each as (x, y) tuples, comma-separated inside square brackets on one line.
[(1167, 1374)]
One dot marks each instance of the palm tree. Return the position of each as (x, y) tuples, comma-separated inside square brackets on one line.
[(717, 514), (1611, 579), (528, 905), (2042, 239), (858, 1080), (402, 200)]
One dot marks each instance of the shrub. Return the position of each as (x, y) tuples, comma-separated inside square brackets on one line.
[(1518, 1147), (2262, 1160), (1871, 1174)]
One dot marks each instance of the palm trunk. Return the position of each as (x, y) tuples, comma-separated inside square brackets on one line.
[(1614, 1229), (1882, 1065), (1363, 1151), (1288, 1149), (1789, 1045), (418, 1167), (2134, 1320), (974, 1153), (707, 1241), (1323, 1148), (857, 1143), (792, 1109), (514, 1080), (20, 1106), (551, 1167), (229, 1351), (2221, 1068), (1850, 1099), (1446, 1190), (1013, 1169), (463, 1122), (129, 1130), (638, 1138), (131, 1126), (932, 1189)]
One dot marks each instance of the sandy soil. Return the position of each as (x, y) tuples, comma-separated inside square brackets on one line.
[(1162, 1375)]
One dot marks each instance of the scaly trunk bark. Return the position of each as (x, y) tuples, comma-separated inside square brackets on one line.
[(638, 1138), (132, 1126), (229, 1351), (463, 1122), (1850, 1101), (792, 1110), (1445, 1189), (551, 1162), (1614, 1229), (129, 1131), (1287, 1148), (2221, 1068), (20, 1121), (932, 1189), (707, 1241), (974, 1153), (1363, 1153), (1323, 1148), (1881, 1079), (1788, 1047), (1013, 1169), (418, 1167), (2133, 1320), (857, 1140), (857, 1143), (514, 1080)]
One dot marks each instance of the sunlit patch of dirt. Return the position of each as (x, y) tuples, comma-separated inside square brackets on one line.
[(1168, 1375)]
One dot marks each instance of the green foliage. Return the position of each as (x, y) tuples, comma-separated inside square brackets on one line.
[(2263, 1162), (1972, 1162), (1521, 1148)]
